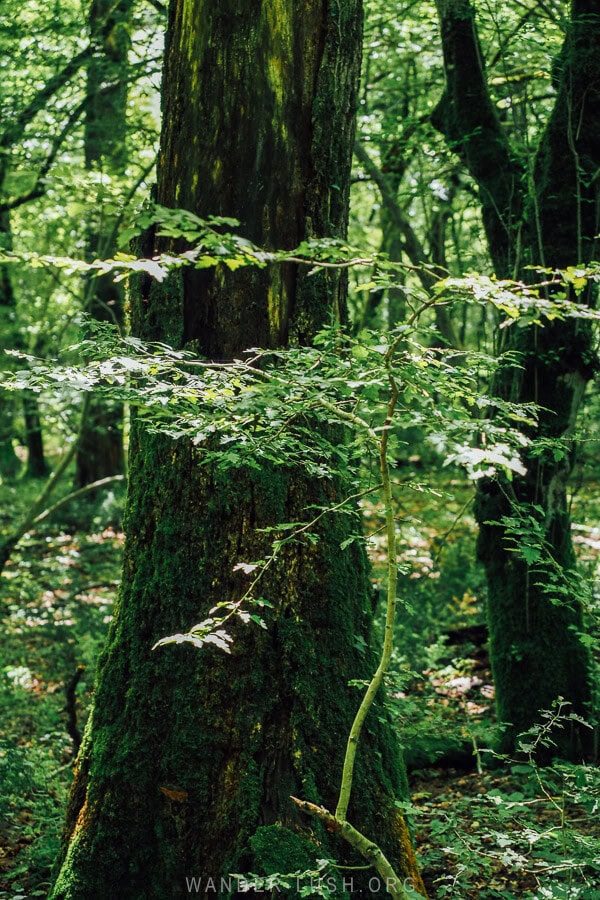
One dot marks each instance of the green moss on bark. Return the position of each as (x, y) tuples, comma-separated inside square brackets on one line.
[(190, 752)]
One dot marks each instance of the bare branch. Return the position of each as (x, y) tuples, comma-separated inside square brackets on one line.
[(14, 131)]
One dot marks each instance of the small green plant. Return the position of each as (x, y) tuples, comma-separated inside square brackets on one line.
[(529, 826)]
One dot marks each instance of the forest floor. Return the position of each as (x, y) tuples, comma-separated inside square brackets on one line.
[(485, 827), (56, 596)]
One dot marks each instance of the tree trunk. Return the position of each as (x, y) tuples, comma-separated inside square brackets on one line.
[(535, 610), (100, 452), (10, 464), (469, 121), (34, 437), (191, 756)]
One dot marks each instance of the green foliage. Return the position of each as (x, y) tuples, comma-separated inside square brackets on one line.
[(33, 801), (265, 409), (317, 881), (527, 826), (320, 408), (56, 596)]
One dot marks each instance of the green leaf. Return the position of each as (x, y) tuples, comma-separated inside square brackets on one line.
[(530, 554)]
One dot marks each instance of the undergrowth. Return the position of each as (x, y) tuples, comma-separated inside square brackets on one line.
[(56, 595), (486, 827)]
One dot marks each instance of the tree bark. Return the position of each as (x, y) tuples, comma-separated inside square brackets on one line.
[(191, 757), (535, 620), (469, 121)]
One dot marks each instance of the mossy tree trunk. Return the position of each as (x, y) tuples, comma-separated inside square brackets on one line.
[(534, 623), (100, 452), (191, 756)]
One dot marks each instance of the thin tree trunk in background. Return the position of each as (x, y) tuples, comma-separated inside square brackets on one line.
[(190, 757), (10, 464), (535, 624), (34, 437), (101, 452), (13, 132)]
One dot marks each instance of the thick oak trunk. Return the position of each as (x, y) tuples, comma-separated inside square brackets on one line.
[(191, 756)]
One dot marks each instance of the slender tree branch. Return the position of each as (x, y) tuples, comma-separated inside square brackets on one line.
[(338, 822), (9, 544), (14, 131), (504, 41), (76, 495), (359, 842), (38, 188), (388, 642)]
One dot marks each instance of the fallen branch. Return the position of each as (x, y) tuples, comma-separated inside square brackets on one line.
[(31, 522), (75, 495), (37, 513)]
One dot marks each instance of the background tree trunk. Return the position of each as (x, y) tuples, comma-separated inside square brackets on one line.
[(9, 461), (190, 757), (100, 452), (34, 437), (535, 615)]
